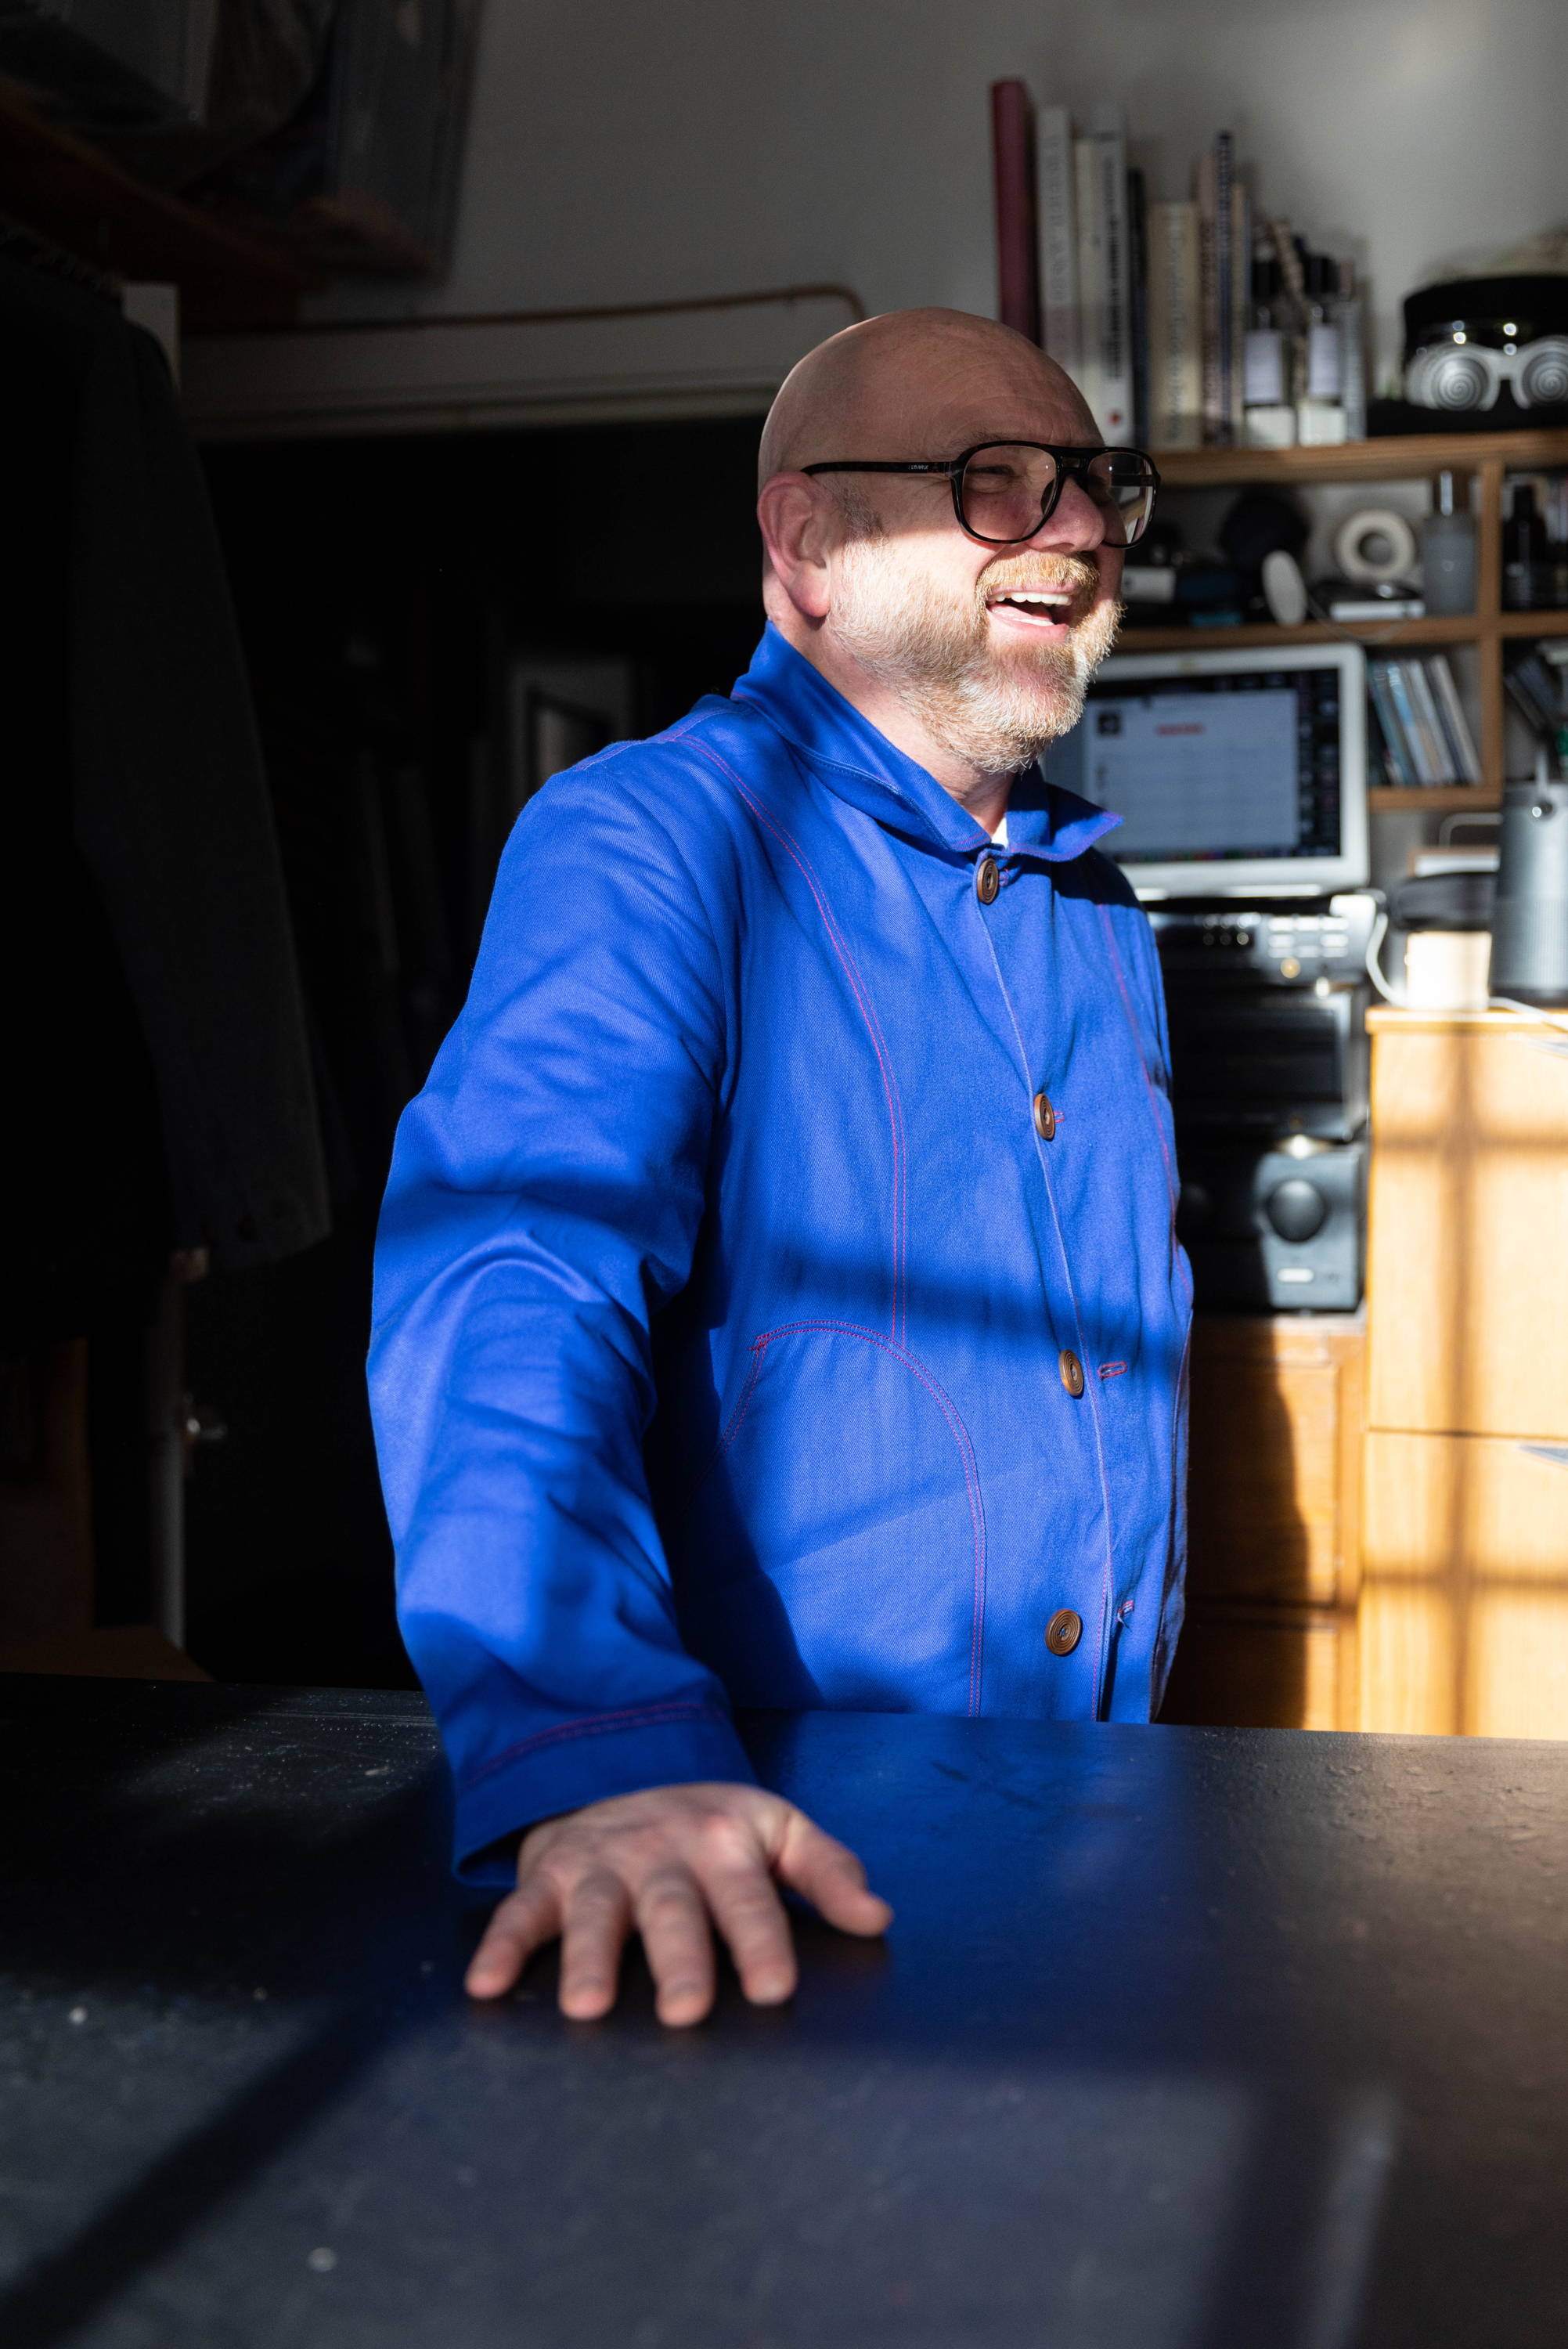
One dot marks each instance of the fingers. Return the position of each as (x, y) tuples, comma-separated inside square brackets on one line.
[(593, 1934), (831, 1877), (525, 1919), (752, 1917), (672, 1918)]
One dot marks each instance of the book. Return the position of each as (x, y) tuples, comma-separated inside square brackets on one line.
[(1114, 414), (1012, 170), (1204, 198), (1398, 750), (1421, 765), (1138, 299), (1433, 742), (1456, 726), (1090, 272), (1175, 328), (1241, 299), (1056, 213), (1225, 279)]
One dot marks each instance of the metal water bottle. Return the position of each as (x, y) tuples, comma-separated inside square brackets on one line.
[(1530, 911)]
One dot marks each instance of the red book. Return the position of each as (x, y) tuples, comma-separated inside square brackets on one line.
[(1018, 248)]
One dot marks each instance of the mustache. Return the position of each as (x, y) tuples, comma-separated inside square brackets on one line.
[(1020, 572)]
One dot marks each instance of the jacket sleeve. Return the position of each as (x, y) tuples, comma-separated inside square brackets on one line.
[(545, 1195)]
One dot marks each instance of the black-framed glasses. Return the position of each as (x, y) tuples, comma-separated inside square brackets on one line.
[(1002, 491)]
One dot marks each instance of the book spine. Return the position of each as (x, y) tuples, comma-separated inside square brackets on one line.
[(1175, 327), (1241, 296), (1456, 726), (1209, 297), (1090, 272), (1224, 274), (1423, 753), (1434, 739), (1114, 414), (1138, 299), (1012, 170), (1057, 213), (1389, 721)]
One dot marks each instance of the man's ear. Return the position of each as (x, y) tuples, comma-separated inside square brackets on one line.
[(797, 520)]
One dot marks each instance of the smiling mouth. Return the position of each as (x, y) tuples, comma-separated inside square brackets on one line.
[(1045, 606)]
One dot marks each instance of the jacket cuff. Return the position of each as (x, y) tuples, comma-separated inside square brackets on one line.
[(583, 1762)]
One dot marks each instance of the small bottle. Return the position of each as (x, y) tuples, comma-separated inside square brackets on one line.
[(1523, 550), (1268, 413), (1448, 553), (1320, 406)]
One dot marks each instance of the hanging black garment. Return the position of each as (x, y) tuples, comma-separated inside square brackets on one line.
[(151, 1034)]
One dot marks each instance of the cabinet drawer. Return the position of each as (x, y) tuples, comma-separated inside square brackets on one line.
[(1259, 1668), (1464, 1604), (1276, 1460), (1468, 1239)]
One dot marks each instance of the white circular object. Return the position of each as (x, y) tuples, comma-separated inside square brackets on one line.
[(1285, 589), (1373, 545)]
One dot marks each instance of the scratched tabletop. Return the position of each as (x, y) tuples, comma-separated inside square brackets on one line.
[(1184, 2039)]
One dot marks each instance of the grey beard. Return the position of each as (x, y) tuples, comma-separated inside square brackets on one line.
[(944, 675)]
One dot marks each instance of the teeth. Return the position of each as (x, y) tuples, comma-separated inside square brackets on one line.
[(1046, 596)]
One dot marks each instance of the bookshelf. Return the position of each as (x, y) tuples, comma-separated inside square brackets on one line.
[(1487, 457)]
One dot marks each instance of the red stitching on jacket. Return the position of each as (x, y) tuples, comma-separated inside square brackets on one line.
[(635, 1717), (1112, 1370), (960, 1435), (862, 1000), (1104, 912)]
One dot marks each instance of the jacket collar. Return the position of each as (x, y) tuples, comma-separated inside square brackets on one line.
[(860, 765)]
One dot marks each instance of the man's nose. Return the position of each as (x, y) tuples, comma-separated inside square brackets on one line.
[(1076, 525)]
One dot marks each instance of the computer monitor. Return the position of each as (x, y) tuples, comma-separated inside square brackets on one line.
[(1235, 773)]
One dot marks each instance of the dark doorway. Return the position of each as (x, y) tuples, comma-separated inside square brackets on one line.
[(433, 624)]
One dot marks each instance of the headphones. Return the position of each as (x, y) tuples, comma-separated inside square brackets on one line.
[(1458, 374)]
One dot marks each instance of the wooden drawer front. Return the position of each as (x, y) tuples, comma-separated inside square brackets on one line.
[(1468, 1247), (1275, 1460), (1248, 1668), (1464, 1604)]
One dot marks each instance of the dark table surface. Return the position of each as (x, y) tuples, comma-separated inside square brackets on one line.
[(1184, 2039)]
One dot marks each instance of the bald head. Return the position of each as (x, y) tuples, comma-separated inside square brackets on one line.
[(918, 383)]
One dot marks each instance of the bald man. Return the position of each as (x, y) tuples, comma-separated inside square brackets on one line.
[(778, 1298)]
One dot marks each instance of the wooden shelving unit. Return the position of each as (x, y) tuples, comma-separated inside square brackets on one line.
[(1487, 457), (73, 193)]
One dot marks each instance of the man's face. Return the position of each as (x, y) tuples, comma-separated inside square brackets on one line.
[(956, 629)]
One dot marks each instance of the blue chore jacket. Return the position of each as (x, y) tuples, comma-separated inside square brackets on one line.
[(777, 1299)]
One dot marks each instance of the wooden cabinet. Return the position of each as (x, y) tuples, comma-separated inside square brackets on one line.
[(1464, 1606), (1468, 1232), (1273, 1505), (1464, 1613)]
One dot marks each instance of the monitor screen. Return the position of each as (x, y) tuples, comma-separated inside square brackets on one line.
[(1227, 769)]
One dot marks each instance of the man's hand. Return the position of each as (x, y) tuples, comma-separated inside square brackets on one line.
[(665, 1862)]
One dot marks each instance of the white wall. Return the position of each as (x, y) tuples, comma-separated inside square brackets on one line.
[(623, 152)]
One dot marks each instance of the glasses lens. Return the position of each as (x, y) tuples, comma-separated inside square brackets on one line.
[(1121, 483), (1004, 490)]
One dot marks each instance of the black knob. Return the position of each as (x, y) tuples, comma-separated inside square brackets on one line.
[(1296, 1208)]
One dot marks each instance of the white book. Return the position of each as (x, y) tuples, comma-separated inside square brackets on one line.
[(1057, 213), (1090, 270), (1175, 328), (1114, 413)]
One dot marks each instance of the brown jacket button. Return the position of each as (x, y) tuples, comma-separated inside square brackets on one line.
[(987, 880), (1071, 1369), (1064, 1631), (1045, 1118)]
